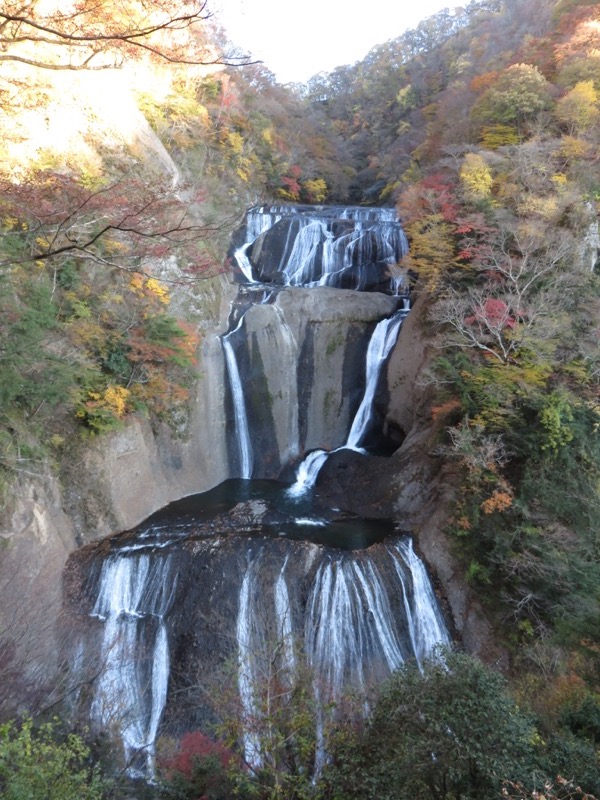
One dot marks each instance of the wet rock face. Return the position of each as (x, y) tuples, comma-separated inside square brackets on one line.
[(164, 610), (303, 361)]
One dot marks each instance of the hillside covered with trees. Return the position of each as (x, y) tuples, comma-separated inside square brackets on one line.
[(482, 128)]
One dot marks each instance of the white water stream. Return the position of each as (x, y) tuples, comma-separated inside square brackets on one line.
[(382, 341), (134, 596)]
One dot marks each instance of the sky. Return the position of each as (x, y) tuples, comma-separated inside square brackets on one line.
[(298, 38)]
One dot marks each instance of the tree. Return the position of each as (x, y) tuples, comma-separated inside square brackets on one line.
[(578, 109), (51, 215), (515, 305), (520, 93), (476, 177), (42, 764), (100, 35), (76, 268), (199, 768), (452, 731)]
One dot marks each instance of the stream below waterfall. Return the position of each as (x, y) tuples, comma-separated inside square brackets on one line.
[(227, 574)]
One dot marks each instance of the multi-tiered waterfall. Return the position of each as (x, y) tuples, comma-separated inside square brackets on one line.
[(254, 567)]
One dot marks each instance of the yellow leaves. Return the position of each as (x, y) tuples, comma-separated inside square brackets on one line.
[(544, 207), (150, 288), (578, 109), (495, 136), (431, 249), (476, 177), (235, 142), (572, 147), (115, 398), (158, 289), (112, 246), (315, 189), (268, 136), (105, 409), (10, 223)]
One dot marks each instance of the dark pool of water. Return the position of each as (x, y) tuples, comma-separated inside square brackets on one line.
[(202, 515)]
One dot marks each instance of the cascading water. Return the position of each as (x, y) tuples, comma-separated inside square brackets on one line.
[(134, 597), (355, 248), (383, 339), (350, 597), (237, 393)]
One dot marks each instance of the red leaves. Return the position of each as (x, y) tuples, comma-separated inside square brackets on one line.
[(195, 746), (108, 223), (492, 313)]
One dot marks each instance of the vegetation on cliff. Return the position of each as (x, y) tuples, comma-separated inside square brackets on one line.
[(489, 145)]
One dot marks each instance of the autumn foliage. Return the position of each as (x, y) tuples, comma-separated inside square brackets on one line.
[(198, 768)]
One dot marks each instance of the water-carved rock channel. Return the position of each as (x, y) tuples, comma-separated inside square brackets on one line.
[(258, 565)]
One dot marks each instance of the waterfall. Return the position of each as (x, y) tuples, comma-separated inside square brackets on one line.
[(134, 596), (239, 406), (349, 628), (283, 612), (383, 339), (427, 626), (381, 343), (353, 632), (364, 613), (324, 246), (307, 473), (243, 262), (351, 605), (248, 675)]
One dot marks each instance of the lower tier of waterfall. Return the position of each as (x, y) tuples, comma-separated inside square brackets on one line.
[(233, 577)]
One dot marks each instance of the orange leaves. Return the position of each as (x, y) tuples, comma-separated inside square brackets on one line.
[(446, 409), (94, 36), (482, 82), (497, 502)]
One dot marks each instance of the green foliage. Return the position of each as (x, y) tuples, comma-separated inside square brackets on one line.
[(97, 344), (569, 755), (43, 764), (580, 69), (450, 731), (556, 418), (519, 94)]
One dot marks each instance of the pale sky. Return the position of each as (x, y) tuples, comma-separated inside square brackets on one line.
[(296, 39)]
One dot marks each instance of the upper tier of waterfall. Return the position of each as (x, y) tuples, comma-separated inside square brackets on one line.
[(346, 247)]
